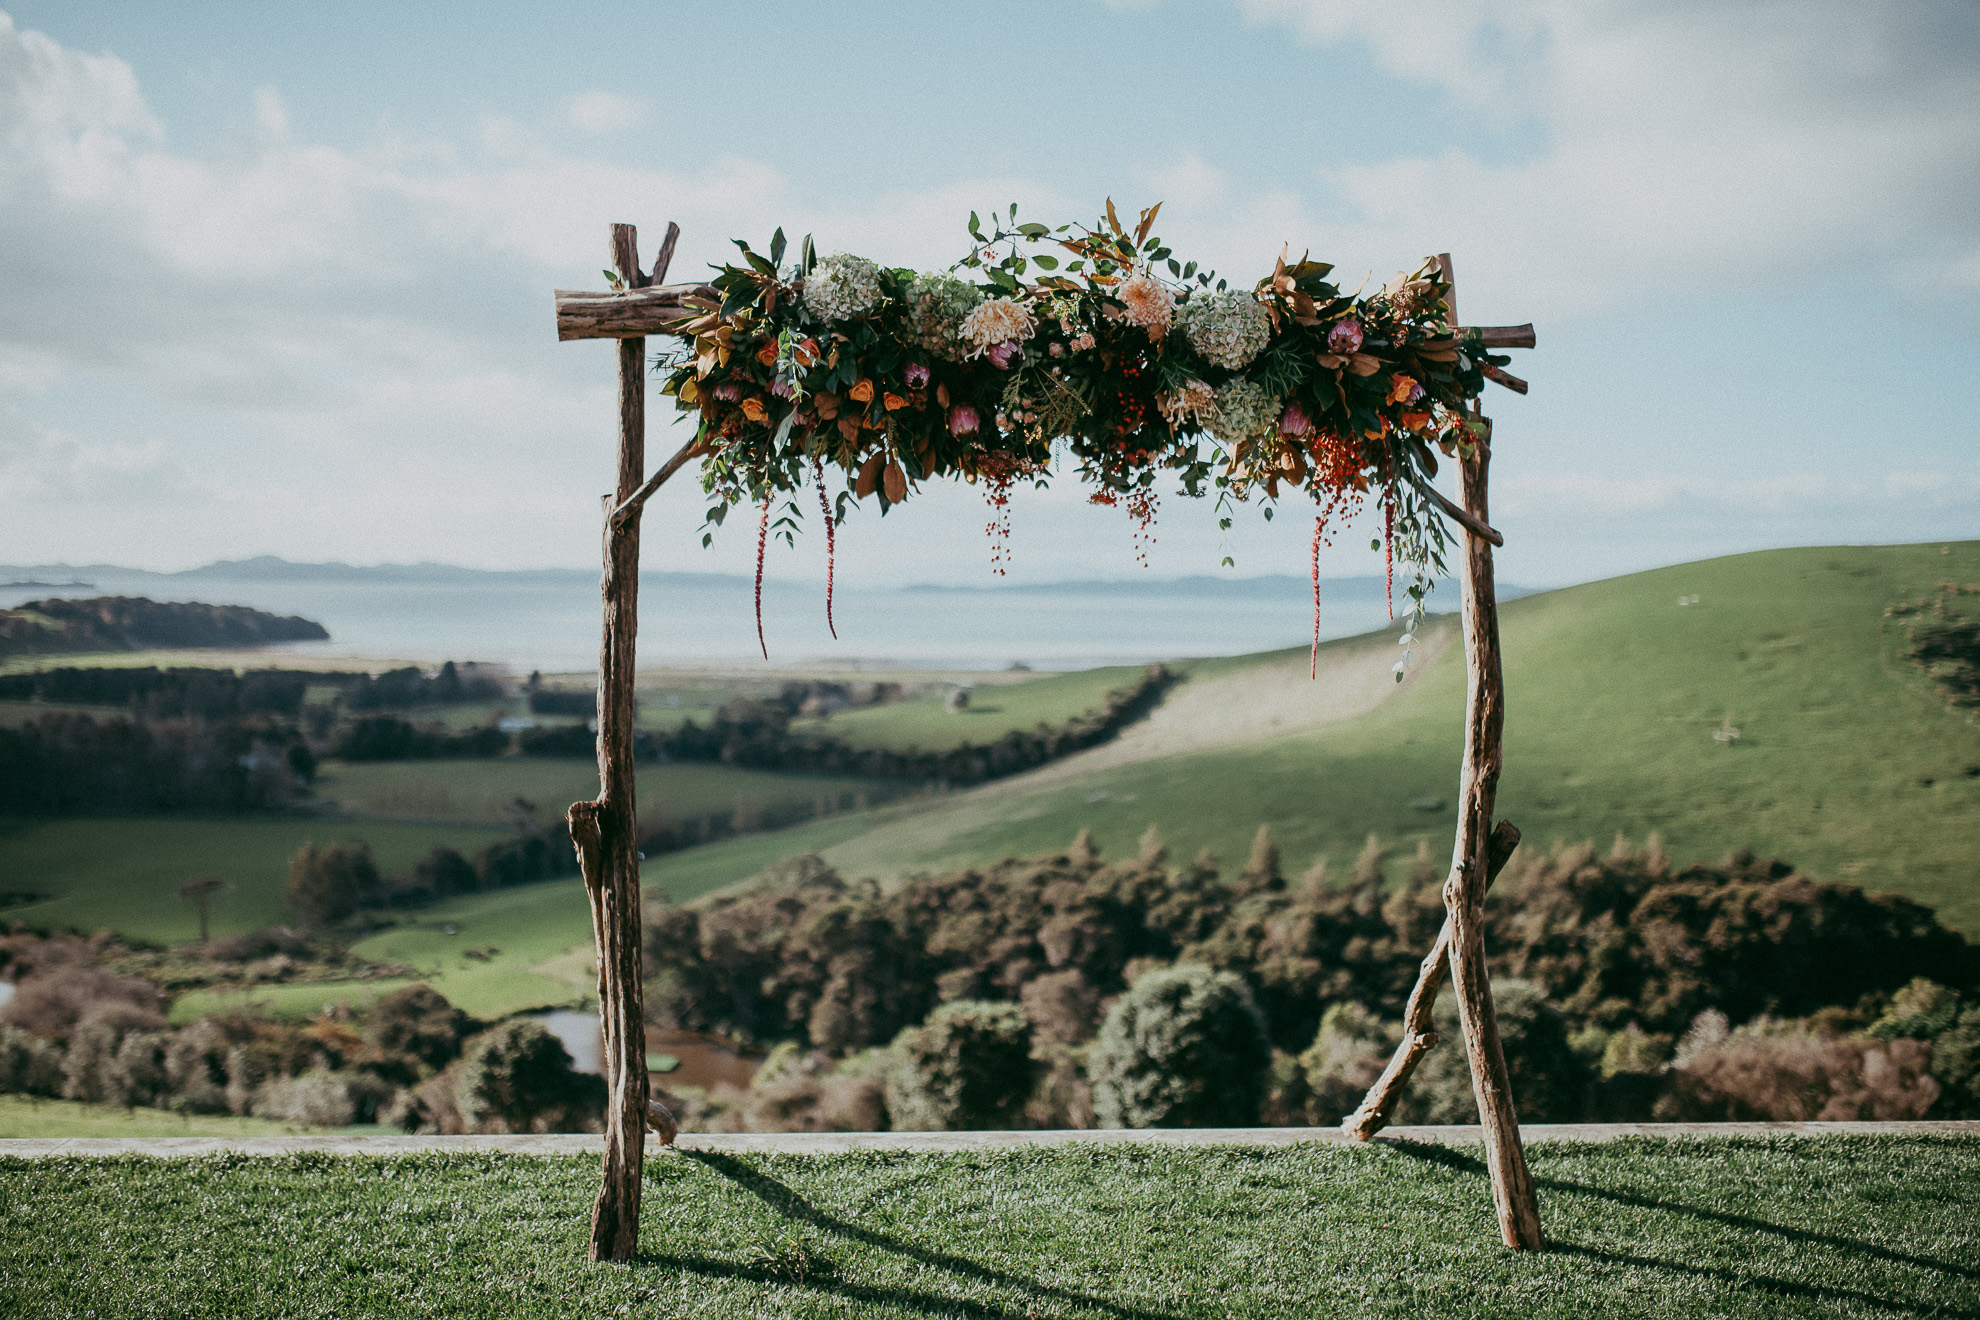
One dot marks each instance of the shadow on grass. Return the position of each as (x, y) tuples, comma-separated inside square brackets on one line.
[(787, 1201), (1458, 1160)]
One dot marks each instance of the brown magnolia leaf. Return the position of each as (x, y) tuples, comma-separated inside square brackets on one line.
[(1113, 220), (942, 395), (869, 476), (1363, 365), (849, 428), (826, 404), (894, 483), (1147, 223)]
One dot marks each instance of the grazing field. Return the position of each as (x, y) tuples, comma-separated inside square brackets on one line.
[(993, 711), (22, 1116), (1845, 763), (482, 791), (1843, 1226), (502, 952), (124, 875)]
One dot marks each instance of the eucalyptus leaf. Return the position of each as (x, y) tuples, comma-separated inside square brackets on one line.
[(1045, 261)]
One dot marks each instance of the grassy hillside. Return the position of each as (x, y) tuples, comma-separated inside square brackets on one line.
[(125, 874), (1846, 764), (481, 791), (994, 710), (1840, 1226)]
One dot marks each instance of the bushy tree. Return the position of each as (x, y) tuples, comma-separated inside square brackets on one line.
[(414, 1031), (1185, 1047), (29, 1065), (1927, 1011), (518, 1077), (967, 1068), (328, 885), (1346, 1056)]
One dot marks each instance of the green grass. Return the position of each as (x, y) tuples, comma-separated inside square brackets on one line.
[(1716, 1227), (125, 874), (479, 791), (995, 709), (1846, 766), (541, 934), (21, 1116)]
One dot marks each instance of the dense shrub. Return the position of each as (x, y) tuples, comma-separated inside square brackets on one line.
[(328, 885), (1185, 1047), (968, 1067), (398, 689), (517, 1077), (389, 738), (413, 1032), (1790, 1071), (29, 1065), (65, 765)]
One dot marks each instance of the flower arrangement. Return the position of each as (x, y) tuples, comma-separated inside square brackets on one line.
[(1095, 338)]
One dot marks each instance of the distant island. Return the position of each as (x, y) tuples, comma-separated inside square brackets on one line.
[(135, 623), (46, 586)]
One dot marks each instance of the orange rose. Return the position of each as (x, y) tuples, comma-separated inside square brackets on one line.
[(753, 409), (768, 353), (1400, 389), (894, 401), (862, 390)]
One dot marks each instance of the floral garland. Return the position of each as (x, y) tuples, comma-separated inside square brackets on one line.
[(1097, 339)]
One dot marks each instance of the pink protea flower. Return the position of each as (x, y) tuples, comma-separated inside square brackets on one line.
[(917, 375), (1294, 422), (1345, 337), (781, 388), (1000, 355), (728, 391), (964, 420)]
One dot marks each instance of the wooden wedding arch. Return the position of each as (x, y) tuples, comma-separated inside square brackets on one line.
[(605, 831)]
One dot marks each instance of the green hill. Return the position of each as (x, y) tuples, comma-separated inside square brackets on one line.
[(1847, 762)]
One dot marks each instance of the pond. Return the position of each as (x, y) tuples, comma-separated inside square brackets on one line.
[(675, 1058)]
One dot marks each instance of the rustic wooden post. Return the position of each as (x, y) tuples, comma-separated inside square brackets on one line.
[(1479, 854), (606, 829)]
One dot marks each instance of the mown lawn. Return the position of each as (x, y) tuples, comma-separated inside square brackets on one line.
[(1832, 1226)]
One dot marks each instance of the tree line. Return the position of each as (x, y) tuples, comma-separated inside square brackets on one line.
[(1627, 989)]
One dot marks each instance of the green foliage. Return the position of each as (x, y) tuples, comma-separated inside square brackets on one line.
[(1549, 1080), (414, 1031), (1927, 1011), (968, 1067), (517, 1077), (329, 884), (1184, 1047)]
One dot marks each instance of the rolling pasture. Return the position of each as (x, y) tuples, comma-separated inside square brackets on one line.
[(1846, 763)]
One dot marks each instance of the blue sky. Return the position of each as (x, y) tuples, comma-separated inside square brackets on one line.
[(278, 275)]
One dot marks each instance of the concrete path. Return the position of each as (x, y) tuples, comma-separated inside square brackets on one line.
[(833, 1143)]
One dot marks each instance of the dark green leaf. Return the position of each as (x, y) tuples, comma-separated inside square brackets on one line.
[(777, 247), (1045, 261), (1189, 271), (1175, 267), (1033, 230)]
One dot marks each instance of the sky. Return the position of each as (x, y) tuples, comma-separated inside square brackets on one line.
[(275, 278)]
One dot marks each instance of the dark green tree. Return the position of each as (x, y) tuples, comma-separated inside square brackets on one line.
[(965, 1069), (328, 885), (1185, 1047)]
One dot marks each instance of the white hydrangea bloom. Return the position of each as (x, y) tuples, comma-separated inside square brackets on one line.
[(1245, 411), (841, 287), (937, 304), (1229, 329)]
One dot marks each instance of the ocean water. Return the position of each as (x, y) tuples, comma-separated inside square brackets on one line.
[(549, 619)]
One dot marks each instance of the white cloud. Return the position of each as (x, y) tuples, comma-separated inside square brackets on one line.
[(271, 116), (1686, 146), (605, 112)]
